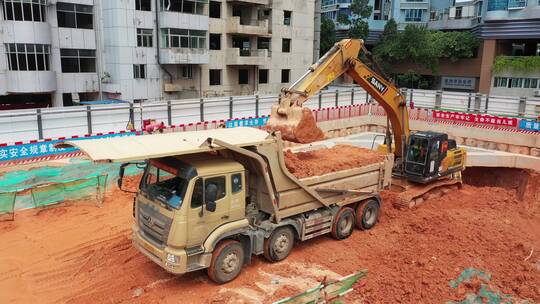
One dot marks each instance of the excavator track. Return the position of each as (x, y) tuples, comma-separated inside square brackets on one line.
[(413, 194)]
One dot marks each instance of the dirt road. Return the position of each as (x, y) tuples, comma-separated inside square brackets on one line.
[(83, 254)]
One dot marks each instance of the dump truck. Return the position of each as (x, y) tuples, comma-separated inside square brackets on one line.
[(214, 198)]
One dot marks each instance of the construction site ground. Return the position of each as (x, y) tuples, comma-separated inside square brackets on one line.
[(79, 253)]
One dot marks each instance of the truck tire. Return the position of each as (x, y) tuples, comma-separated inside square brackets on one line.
[(343, 225), (280, 243), (367, 214), (227, 261)]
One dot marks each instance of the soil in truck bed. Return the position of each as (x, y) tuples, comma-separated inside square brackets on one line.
[(327, 160)]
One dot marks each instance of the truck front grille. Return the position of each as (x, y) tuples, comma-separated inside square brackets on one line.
[(153, 225)]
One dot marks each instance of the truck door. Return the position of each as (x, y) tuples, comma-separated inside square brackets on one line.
[(201, 222)]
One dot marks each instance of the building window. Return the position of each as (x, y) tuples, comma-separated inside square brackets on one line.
[(459, 10), (215, 41), (263, 76), (285, 76), (215, 77), (184, 6), (139, 71), (413, 15), (25, 10), (263, 43), (144, 37), (500, 82), (517, 3), (286, 45), (287, 16), (78, 61), (497, 5), (518, 49), (28, 57), (74, 15), (143, 5), (516, 82), (215, 9), (181, 38), (243, 76), (187, 71)]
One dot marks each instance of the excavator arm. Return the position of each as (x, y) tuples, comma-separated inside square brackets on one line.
[(298, 125)]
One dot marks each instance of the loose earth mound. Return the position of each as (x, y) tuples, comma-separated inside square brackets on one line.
[(326, 160)]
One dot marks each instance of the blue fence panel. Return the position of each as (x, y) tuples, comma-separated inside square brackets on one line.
[(46, 148), (529, 125)]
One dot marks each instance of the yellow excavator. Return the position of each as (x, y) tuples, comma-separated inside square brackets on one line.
[(424, 161)]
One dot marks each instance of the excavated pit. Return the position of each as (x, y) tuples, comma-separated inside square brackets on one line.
[(83, 254)]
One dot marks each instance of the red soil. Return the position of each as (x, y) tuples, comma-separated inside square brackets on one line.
[(83, 254), (304, 131), (322, 161)]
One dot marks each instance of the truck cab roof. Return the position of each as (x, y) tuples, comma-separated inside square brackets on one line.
[(209, 164)]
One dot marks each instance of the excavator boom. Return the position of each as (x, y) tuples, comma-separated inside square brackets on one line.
[(297, 123)]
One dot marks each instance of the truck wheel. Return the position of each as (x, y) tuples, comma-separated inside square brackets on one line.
[(227, 261), (343, 224), (367, 214), (278, 246)]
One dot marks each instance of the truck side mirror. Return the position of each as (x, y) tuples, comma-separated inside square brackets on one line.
[(121, 172), (211, 206), (210, 196)]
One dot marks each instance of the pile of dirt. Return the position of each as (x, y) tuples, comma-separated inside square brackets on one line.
[(327, 160), (306, 131)]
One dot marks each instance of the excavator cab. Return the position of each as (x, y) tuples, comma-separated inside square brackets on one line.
[(425, 155)]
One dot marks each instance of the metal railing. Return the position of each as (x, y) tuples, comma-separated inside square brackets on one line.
[(25, 125)]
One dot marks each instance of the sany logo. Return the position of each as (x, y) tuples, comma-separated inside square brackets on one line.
[(377, 84)]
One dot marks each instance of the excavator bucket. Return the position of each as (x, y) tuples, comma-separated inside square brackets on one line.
[(296, 124)]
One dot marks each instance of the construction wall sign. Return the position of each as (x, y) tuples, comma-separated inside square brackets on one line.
[(247, 122), (45, 148), (529, 125), (476, 118)]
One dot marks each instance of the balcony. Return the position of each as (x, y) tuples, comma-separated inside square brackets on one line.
[(237, 56), (31, 81), (446, 23), (183, 56), (250, 27), (256, 2)]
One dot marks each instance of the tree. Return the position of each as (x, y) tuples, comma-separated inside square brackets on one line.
[(423, 47), (390, 30), (342, 19), (328, 34), (360, 10)]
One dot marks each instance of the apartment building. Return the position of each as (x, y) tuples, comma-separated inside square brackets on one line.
[(48, 53), (382, 12), (509, 31), (62, 52)]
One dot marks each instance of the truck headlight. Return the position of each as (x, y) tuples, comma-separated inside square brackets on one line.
[(173, 259)]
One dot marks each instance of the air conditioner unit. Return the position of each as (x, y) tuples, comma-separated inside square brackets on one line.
[(536, 93)]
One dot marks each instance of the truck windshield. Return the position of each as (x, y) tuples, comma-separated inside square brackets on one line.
[(161, 182)]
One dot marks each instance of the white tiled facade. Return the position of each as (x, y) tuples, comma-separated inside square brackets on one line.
[(169, 67)]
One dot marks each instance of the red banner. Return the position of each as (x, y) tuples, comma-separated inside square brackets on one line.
[(476, 118)]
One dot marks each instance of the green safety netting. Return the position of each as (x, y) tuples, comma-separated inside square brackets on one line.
[(93, 187), (43, 186), (485, 295), (326, 292), (7, 204)]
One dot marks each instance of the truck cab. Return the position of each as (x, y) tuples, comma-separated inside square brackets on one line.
[(180, 202)]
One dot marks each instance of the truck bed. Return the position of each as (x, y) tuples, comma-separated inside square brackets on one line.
[(357, 182)]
